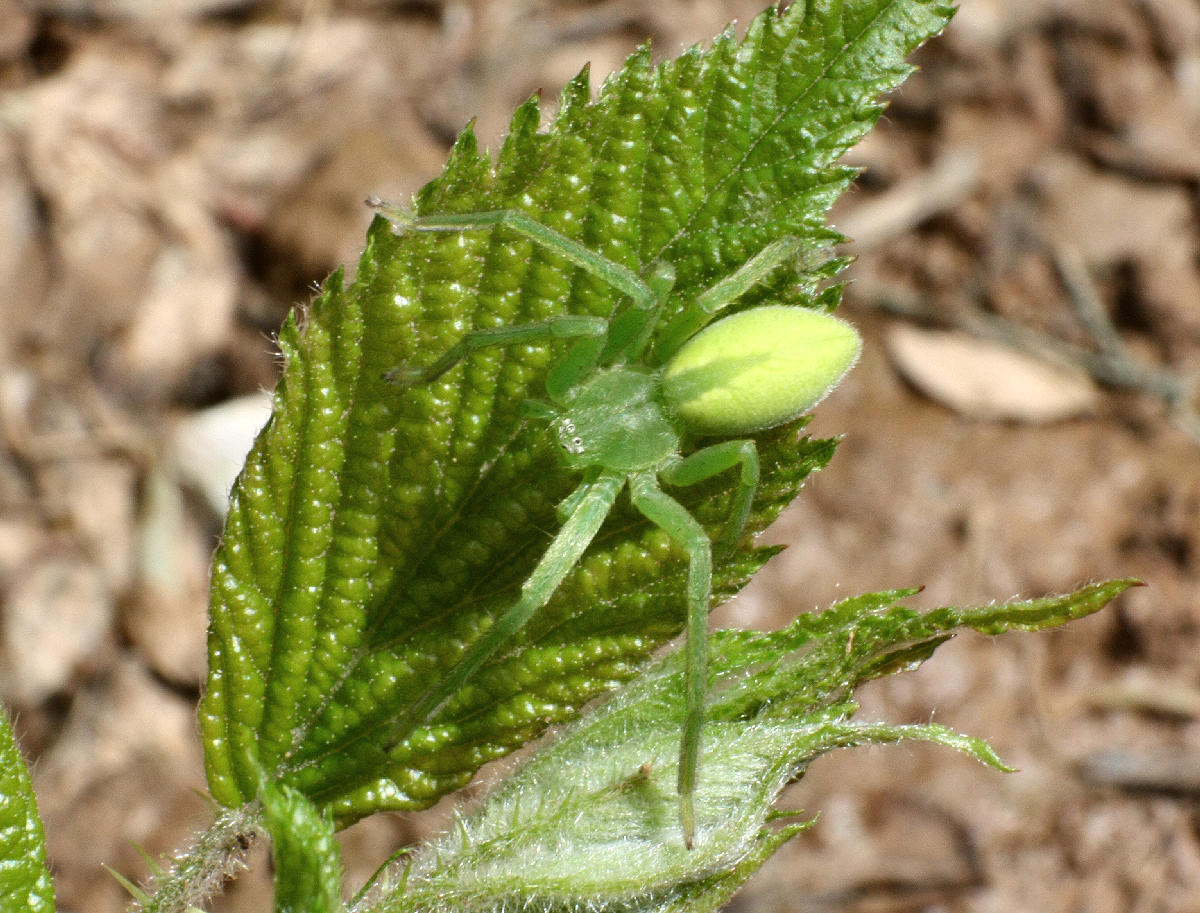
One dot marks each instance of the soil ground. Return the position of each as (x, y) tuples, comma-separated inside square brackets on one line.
[(175, 176)]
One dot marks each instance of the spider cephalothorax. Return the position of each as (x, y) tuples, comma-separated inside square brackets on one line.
[(640, 436)]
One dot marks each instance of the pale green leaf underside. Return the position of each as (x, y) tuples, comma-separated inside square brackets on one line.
[(306, 856), (24, 879), (589, 822), (373, 534)]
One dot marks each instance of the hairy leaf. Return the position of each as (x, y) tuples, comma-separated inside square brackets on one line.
[(589, 822), (375, 533), (24, 879)]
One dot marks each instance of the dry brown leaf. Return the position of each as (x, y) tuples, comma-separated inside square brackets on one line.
[(986, 380)]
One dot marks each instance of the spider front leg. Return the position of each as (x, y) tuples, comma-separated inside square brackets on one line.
[(668, 514), (628, 333), (619, 277), (568, 326)]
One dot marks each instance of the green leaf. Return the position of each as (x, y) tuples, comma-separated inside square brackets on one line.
[(589, 821), (308, 860), (24, 879), (374, 533)]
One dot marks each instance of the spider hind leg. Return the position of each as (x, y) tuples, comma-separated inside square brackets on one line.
[(671, 516)]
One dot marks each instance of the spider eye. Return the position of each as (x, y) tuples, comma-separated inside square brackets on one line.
[(571, 442), (758, 368)]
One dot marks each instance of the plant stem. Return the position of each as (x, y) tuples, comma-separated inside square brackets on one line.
[(198, 872)]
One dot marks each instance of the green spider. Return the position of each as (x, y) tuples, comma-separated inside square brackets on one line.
[(622, 423)]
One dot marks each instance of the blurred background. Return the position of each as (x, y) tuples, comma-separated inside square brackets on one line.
[(176, 174)]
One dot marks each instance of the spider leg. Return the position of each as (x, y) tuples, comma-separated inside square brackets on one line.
[(632, 327), (567, 326), (564, 552), (710, 461), (667, 513), (619, 277), (628, 333), (580, 361), (721, 294), (571, 502)]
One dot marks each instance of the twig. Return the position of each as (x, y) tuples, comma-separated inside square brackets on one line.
[(1084, 295)]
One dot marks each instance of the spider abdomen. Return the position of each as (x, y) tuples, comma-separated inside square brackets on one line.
[(757, 369)]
